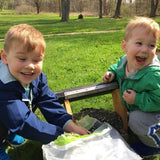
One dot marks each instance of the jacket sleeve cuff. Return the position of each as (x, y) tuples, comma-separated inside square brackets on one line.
[(138, 101), (66, 123)]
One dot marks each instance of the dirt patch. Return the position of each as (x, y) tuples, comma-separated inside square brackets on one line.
[(103, 115)]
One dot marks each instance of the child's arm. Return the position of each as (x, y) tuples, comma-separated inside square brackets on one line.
[(108, 77), (71, 127)]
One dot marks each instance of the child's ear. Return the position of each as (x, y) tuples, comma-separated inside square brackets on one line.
[(3, 56), (124, 46)]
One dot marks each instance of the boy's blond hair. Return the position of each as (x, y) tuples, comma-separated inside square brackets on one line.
[(147, 23), (27, 36)]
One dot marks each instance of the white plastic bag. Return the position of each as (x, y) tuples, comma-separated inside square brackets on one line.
[(102, 145)]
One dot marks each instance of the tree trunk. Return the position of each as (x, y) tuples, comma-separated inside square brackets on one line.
[(104, 7), (100, 8), (60, 8), (65, 4), (154, 5), (37, 7), (118, 8)]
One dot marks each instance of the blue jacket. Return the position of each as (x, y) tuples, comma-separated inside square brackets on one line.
[(18, 118)]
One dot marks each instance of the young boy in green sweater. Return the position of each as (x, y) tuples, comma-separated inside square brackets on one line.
[(138, 75)]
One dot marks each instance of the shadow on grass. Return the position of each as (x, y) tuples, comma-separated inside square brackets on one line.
[(31, 150)]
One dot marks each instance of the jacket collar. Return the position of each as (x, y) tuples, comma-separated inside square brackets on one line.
[(138, 73), (6, 77)]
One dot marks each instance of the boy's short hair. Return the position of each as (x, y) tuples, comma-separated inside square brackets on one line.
[(27, 35), (147, 23)]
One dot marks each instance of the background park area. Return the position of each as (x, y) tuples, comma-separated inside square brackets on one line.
[(79, 51)]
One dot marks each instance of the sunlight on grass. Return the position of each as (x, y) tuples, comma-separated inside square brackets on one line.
[(72, 60), (51, 23), (77, 60)]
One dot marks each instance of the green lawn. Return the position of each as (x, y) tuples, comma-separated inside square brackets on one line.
[(78, 60), (72, 60), (51, 24)]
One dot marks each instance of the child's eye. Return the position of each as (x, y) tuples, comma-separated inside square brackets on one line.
[(139, 43), (152, 46), (22, 59), (37, 60)]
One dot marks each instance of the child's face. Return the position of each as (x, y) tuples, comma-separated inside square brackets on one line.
[(24, 66), (140, 48)]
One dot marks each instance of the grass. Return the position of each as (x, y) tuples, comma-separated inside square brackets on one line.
[(51, 24), (71, 60), (80, 60)]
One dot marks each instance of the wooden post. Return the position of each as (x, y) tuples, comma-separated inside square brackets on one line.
[(120, 108), (68, 106)]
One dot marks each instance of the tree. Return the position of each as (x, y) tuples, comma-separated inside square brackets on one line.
[(35, 3), (60, 8), (154, 5), (118, 8), (38, 5), (2, 4), (104, 7), (65, 4), (100, 8)]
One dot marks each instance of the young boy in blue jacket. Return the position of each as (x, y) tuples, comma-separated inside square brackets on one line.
[(138, 75), (24, 88)]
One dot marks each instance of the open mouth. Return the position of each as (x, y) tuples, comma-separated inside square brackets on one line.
[(27, 74), (140, 60)]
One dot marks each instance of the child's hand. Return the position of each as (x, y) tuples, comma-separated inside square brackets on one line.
[(73, 128), (129, 96), (108, 77)]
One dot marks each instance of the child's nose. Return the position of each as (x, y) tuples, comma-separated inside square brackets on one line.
[(30, 66), (144, 48)]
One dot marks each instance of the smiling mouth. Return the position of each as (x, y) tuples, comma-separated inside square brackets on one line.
[(140, 60), (27, 74)]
